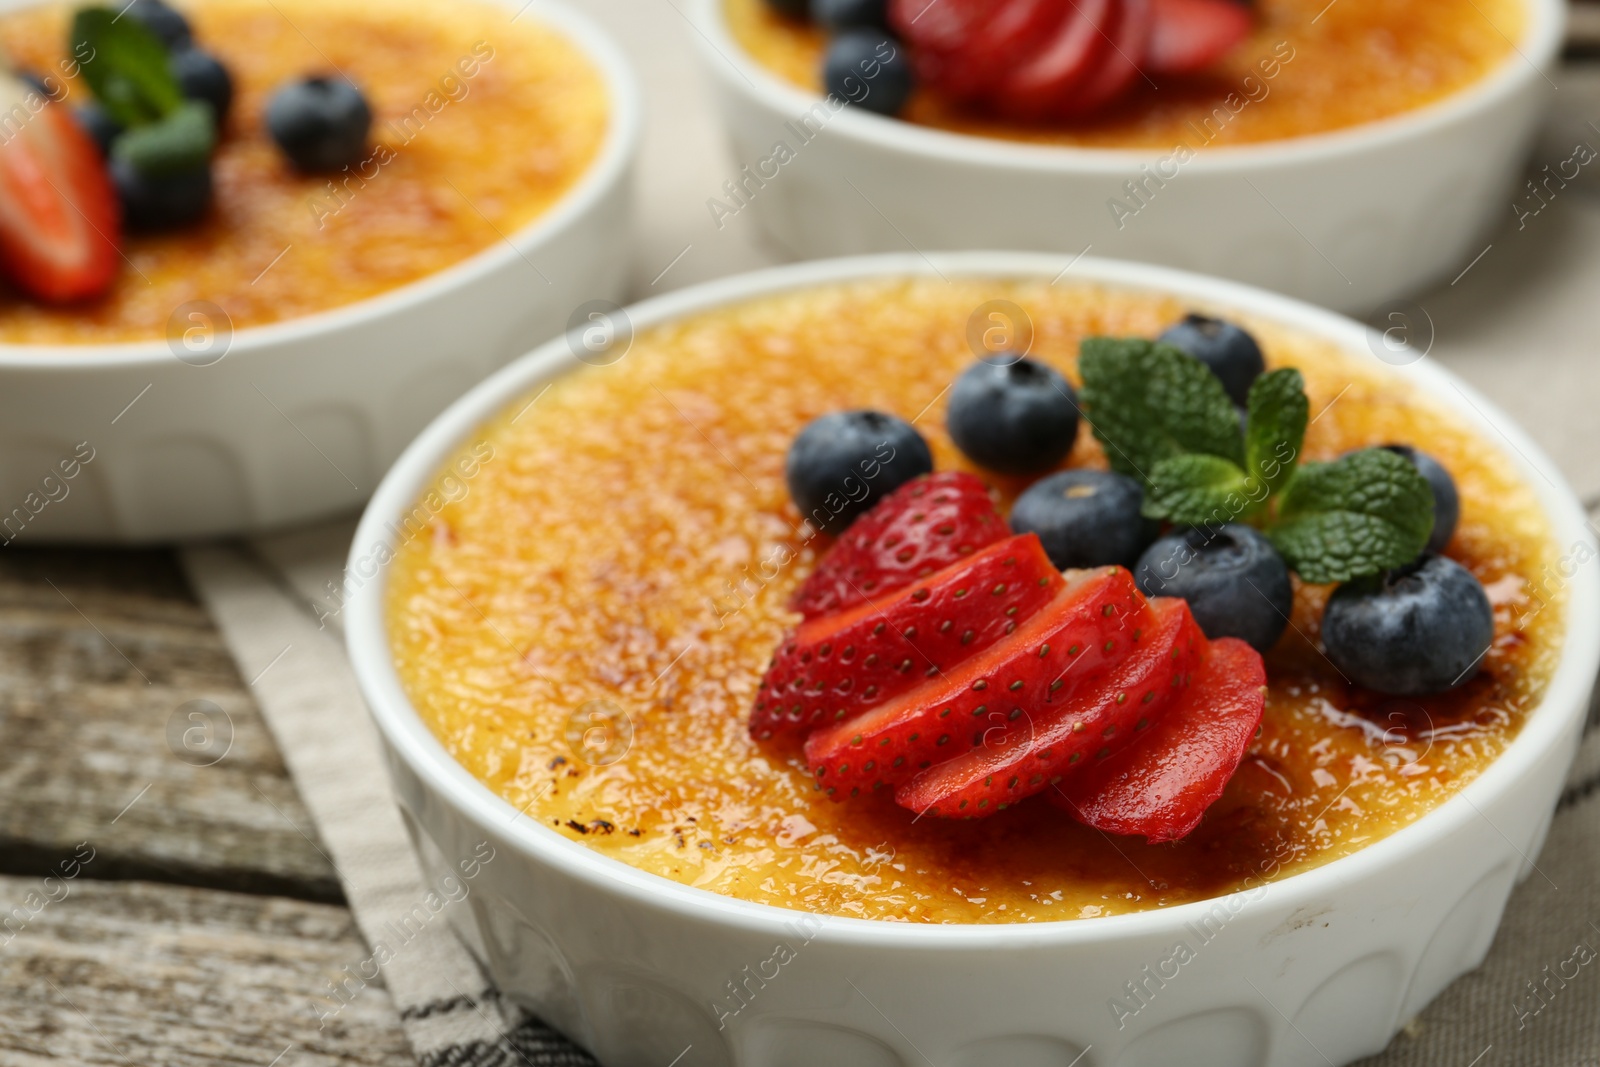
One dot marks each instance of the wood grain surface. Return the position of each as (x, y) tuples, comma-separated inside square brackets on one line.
[(202, 918)]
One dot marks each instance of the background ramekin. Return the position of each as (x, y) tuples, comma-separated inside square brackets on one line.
[(299, 419), (1318, 968), (1348, 219)]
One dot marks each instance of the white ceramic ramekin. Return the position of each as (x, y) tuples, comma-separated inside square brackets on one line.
[(1348, 220), (1319, 968), (287, 422)]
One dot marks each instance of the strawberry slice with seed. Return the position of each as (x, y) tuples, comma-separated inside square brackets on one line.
[(1064, 644), (1055, 741), (836, 666), (1161, 786), (1187, 36), (922, 527)]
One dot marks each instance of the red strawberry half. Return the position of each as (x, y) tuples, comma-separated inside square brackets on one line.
[(1103, 715), (1063, 646), (835, 666), (59, 218), (1161, 786), (922, 527)]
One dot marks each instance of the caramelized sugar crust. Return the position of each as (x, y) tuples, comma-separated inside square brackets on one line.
[(480, 125), (1309, 67), (625, 538)]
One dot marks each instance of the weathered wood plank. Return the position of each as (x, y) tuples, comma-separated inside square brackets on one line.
[(170, 976), (101, 655)]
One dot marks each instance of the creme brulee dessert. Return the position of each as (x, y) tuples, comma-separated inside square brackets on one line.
[(587, 627), (478, 125), (1277, 69)]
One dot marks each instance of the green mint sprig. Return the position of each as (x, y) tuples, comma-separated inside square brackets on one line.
[(126, 67), (1165, 420)]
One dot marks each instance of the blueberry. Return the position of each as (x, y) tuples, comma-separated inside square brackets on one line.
[(164, 202), (1230, 352), (1012, 414), (1446, 501), (99, 125), (851, 14), (846, 461), (168, 24), (202, 77), (1420, 629), (1234, 580), (870, 69), (791, 9), (320, 123), (1085, 518)]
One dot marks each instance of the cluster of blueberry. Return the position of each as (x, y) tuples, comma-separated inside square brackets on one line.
[(1417, 629), (321, 124), (865, 63)]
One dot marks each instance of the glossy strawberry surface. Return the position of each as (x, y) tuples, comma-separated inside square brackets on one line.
[(836, 666), (922, 527), (1160, 787), (1055, 739), (1087, 626)]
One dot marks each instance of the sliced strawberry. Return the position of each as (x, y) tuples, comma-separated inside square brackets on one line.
[(835, 666), (1119, 64), (938, 25), (59, 218), (1063, 646), (1013, 33), (1035, 88), (1160, 787), (922, 527), (1066, 738), (1189, 35)]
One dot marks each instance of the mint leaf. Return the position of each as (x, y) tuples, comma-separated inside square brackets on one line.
[(1275, 429), (1148, 402), (126, 67), (1361, 514), (1197, 490), (181, 141)]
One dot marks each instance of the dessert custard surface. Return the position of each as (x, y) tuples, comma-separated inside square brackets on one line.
[(1310, 67), (586, 599), (480, 125)]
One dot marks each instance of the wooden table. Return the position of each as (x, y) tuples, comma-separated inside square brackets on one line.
[(208, 916)]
